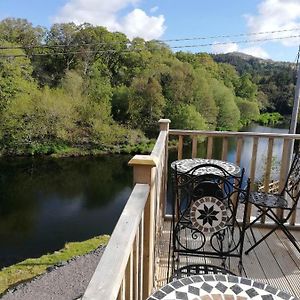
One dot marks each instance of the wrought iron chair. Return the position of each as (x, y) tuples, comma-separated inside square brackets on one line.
[(205, 232), (268, 205)]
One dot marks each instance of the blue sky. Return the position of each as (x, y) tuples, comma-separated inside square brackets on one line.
[(171, 19)]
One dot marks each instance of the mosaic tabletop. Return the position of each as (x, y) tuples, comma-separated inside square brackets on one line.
[(218, 287), (185, 165)]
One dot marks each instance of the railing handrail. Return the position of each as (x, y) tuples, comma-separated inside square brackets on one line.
[(233, 134), (159, 145), (107, 278)]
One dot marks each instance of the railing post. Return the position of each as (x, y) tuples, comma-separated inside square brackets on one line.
[(164, 126), (144, 172)]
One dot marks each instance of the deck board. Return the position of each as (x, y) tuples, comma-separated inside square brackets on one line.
[(275, 261)]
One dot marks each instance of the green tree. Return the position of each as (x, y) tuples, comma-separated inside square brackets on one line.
[(21, 32), (229, 114), (15, 76), (245, 88), (249, 110), (146, 103), (204, 99), (185, 116), (120, 104)]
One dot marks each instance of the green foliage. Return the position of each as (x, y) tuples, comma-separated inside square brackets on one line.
[(249, 110), (20, 31), (101, 92), (146, 103), (270, 118), (275, 81), (120, 104), (33, 120), (203, 98), (229, 114), (15, 76), (245, 88), (186, 116)]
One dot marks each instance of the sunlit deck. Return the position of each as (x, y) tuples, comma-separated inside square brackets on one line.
[(275, 262)]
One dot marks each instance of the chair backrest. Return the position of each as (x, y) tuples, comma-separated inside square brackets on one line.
[(292, 184), (205, 212)]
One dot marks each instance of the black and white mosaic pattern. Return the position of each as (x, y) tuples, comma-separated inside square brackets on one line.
[(185, 165), (208, 214), (215, 287)]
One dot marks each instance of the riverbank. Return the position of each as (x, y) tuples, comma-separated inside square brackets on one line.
[(66, 281), (63, 150), (30, 268)]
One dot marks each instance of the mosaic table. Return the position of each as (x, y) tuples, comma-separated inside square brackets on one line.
[(218, 287), (185, 165)]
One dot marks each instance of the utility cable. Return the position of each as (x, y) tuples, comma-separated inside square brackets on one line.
[(136, 49), (158, 41)]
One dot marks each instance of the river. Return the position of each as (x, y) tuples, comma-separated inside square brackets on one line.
[(45, 202)]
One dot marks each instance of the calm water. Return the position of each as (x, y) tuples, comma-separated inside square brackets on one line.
[(46, 202)]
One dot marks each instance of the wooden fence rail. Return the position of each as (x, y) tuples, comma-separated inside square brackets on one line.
[(127, 267), (239, 144), (117, 274)]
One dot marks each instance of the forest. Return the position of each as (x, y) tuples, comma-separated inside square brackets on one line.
[(71, 88)]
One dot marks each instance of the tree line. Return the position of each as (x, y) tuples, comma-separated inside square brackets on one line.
[(83, 87)]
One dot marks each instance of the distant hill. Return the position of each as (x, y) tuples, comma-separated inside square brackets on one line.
[(275, 80), (245, 63)]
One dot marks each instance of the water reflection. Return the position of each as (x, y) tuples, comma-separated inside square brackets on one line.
[(46, 202)]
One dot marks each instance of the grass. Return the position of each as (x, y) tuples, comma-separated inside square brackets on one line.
[(32, 267)]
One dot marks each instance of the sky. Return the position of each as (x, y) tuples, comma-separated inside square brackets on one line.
[(177, 19)]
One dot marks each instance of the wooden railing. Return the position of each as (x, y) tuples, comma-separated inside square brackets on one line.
[(239, 138), (127, 267)]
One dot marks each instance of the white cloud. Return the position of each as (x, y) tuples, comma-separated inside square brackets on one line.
[(255, 51), (225, 48), (234, 47), (154, 9), (137, 23), (276, 15), (106, 13)]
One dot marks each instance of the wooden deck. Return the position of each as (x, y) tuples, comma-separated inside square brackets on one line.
[(275, 261)]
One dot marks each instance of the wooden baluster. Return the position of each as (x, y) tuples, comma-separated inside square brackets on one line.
[(129, 277), (141, 259), (121, 295), (224, 148), (268, 171), (209, 147), (283, 170), (136, 266), (239, 147), (180, 147), (252, 171), (194, 146)]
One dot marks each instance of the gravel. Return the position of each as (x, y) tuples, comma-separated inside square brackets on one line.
[(66, 281)]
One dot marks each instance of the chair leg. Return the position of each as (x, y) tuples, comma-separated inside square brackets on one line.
[(290, 237), (262, 239)]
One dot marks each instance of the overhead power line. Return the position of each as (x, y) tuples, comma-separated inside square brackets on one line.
[(237, 42), (228, 35), (159, 41), (137, 50)]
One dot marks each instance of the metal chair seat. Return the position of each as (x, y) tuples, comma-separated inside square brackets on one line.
[(268, 200), (199, 269), (268, 203)]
